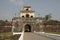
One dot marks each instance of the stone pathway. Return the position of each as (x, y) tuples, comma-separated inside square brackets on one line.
[(32, 36)]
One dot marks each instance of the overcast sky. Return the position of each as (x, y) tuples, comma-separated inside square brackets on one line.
[(8, 8)]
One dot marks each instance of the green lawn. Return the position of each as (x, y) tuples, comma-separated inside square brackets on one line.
[(8, 36), (54, 32), (6, 33)]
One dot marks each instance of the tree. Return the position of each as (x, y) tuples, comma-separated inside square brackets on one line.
[(6, 20), (2, 23), (48, 17)]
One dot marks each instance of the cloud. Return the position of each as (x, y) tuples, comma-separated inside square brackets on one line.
[(17, 2)]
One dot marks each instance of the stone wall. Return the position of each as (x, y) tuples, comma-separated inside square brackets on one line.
[(52, 28)]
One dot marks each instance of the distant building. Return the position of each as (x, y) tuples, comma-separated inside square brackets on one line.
[(28, 21)]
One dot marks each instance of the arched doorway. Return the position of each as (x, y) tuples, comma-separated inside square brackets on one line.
[(27, 28), (27, 15)]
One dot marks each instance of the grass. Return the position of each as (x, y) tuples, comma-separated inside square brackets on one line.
[(8, 36), (54, 32), (6, 33)]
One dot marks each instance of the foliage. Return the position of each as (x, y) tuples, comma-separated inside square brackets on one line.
[(5, 23), (48, 17), (2, 23)]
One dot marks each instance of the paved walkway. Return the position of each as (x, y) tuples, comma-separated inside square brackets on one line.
[(32, 36)]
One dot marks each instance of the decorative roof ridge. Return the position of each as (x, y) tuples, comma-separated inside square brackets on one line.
[(27, 6)]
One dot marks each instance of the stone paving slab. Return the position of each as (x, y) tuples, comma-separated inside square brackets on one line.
[(32, 36)]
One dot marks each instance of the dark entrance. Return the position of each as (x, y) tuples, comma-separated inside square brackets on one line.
[(27, 15), (27, 28)]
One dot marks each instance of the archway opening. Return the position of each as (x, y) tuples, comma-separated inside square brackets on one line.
[(27, 15), (26, 9), (31, 16), (22, 16), (27, 28)]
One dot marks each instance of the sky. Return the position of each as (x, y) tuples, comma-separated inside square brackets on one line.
[(8, 8)]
